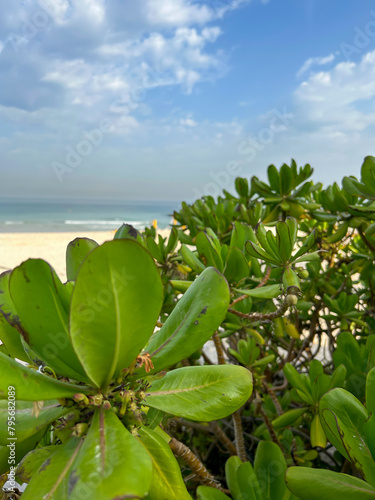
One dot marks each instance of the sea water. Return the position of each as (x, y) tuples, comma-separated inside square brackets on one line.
[(73, 216)]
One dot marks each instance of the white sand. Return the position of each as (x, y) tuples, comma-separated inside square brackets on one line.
[(15, 248)]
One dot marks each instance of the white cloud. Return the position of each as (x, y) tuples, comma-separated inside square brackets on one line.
[(315, 61), (331, 122), (333, 101), (188, 122)]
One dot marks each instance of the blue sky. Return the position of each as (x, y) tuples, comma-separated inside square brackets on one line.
[(171, 99)]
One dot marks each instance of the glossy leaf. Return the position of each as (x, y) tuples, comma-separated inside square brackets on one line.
[(203, 393), (208, 251), (42, 304), (270, 468), (319, 484), (288, 418), (284, 240), (248, 482), (191, 259), (317, 434), (343, 418), (128, 231), (50, 482), (231, 467), (11, 339), (257, 252), (263, 292), (115, 305), (111, 462), (31, 385), (192, 322), (166, 480), (32, 461), (76, 252), (236, 267), (370, 391)]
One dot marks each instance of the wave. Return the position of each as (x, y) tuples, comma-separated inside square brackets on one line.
[(103, 222)]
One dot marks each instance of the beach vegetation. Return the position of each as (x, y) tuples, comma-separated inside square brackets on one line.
[(233, 359)]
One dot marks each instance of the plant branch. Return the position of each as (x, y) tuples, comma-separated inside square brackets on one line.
[(183, 452), (262, 317), (219, 348), (238, 432)]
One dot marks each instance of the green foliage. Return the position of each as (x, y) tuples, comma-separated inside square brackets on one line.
[(279, 274), (89, 337)]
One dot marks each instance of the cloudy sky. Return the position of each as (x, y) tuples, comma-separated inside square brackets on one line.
[(171, 99)]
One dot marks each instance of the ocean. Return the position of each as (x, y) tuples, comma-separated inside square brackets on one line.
[(72, 216)]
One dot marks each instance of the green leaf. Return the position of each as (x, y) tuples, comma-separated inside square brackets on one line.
[(207, 249), (248, 482), (310, 257), (127, 231), (11, 339), (236, 266), (257, 252), (191, 259), (263, 292), (76, 252), (180, 285), (154, 249), (307, 246), (172, 241), (32, 461), (270, 468), (319, 484), (338, 377), (317, 434), (50, 482), (284, 240), (202, 393), (315, 369), (273, 178), (192, 322), (286, 179), (42, 303), (370, 391), (288, 418), (343, 418), (166, 481), (231, 467), (207, 493), (242, 186), (290, 279), (26, 424), (111, 462), (368, 174), (268, 242), (296, 379), (115, 304), (31, 385), (321, 386)]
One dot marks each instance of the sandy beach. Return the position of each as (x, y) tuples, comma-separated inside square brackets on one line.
[(18, 247)]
